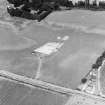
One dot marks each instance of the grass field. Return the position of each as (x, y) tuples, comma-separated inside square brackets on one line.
[(71, 63), (19, 37)]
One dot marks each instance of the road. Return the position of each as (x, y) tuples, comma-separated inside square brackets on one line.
[(49, 86)]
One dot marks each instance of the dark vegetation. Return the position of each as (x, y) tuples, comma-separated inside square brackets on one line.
[(44, 7), (96, 65), (22, 8), (84, 80), (99, 61)]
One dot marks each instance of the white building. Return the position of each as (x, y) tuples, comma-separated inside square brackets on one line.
[(49, 48)]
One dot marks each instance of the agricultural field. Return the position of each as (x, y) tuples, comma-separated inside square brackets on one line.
[(15, 93), (19, 37)]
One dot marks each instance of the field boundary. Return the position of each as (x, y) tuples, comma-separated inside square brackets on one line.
[(47, 86)]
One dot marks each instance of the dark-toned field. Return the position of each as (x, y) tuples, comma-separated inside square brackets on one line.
[(15, 93)]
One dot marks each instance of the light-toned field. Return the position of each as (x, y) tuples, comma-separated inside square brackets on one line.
[(19, 37), (71, 63), (86, 43)]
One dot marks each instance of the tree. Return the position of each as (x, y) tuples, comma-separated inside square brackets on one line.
[(83, 80)]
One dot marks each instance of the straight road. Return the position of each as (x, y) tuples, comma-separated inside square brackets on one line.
[(49, 86)]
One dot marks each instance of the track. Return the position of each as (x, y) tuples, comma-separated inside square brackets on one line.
[(48, 86)]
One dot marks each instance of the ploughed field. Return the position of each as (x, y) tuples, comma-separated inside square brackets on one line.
[(15, 93), (19, 37)]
